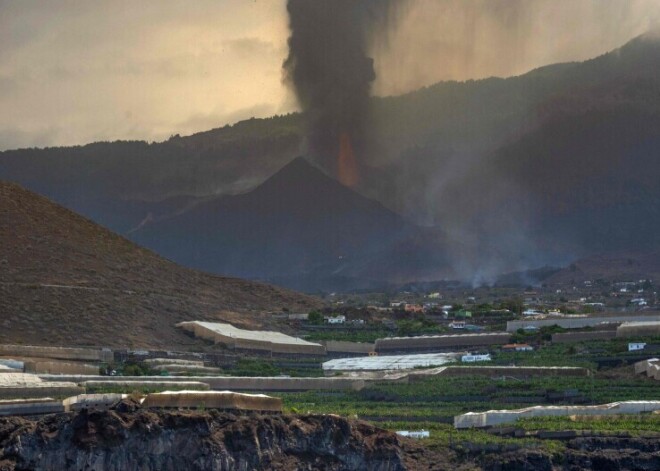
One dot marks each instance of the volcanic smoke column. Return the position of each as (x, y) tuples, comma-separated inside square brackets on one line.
[(331, 74)]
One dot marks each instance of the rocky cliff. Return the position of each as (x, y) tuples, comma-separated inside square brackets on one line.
[(130, 438), (149, 440), (615, 453)]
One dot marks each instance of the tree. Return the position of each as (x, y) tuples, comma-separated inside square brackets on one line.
[(315, 317), (514, 305)]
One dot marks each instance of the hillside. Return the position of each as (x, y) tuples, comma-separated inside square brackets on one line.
[(576, 186), (620, 267), (543, 168), (67, 281), (457, 126), (300, 228)]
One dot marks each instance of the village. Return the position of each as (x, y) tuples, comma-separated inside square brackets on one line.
[(460, 369)]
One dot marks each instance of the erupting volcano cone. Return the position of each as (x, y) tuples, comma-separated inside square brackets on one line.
[(347, 169)]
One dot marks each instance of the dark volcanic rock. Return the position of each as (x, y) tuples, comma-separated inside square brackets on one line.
[(519, 461), (582, 454), (146, 440)]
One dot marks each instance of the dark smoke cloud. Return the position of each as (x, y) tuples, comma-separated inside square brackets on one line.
[(330, 70)]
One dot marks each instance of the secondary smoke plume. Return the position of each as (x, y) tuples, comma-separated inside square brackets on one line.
[(331, 73)]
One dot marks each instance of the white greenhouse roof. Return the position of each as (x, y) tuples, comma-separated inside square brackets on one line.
[(229, 330), (389, 362)]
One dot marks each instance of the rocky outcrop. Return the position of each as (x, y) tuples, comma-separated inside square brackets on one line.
[(582, 454), (140, 439), (129, 437)]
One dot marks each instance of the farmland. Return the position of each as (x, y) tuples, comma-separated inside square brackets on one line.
[(432, 403)]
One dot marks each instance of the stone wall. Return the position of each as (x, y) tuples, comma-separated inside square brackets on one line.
[(337, 346), (224, 383), (57, 368), (50, 389), (568, 337), (128, 385), (638, 329), (57, 353), (441, 342), (214, 400), (30, 407), (579, 322), (25, 386), (498, 371)]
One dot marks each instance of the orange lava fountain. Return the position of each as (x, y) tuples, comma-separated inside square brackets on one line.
[(347, 169)]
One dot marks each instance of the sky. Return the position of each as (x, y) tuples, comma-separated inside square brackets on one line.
[(78, 71)]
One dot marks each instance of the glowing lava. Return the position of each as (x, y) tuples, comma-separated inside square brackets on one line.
[(347, 169)]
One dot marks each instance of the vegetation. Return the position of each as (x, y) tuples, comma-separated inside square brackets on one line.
[(432, 403), (417, 325), (261, 367), (444, 396), (583, 354), (136, 369), (315, 318), (445, 435), (633, 424)]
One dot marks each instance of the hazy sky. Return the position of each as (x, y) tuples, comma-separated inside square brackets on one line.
[(75, 71)]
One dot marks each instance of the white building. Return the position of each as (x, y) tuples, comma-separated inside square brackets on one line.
[(518, 347), (531, 312), (336, 320), (636, 346), (474, 358), (414, 433)]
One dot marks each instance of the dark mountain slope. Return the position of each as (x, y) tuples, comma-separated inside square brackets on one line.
[(66, 281), (481, 113), (441, 133), (300, 227), (583, 184)]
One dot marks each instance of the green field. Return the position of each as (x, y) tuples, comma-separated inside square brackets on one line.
[(430, 404)]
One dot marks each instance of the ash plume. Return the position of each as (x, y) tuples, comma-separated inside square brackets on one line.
[(331, 73)]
